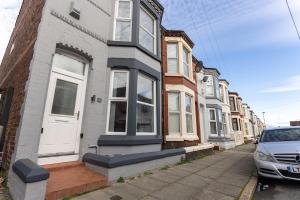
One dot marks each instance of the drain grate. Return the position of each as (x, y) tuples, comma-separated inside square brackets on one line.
[(116, 197)]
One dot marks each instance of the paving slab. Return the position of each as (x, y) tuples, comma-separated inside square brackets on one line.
[(175, 191), (194, 181), (148, 184), (211, 195)]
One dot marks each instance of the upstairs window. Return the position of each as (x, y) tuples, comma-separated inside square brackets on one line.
[(123, 20), (172, 52), (210, 86), (222, 94), (232, 103), (147, 36), (185, 60)]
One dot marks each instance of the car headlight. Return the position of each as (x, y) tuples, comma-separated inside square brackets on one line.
[(264, 156)]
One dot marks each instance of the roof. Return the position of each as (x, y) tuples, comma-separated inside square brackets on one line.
[(179, 33), (234, 93), (211, 68), (224, 80)]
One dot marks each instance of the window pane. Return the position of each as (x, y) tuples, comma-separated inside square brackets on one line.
[(119, 84), (209, 90), (213, 127), (174, 122), (123, 30), (145, 118), (188, 103), (147, 21), (186, 70), (172, 50), (212, 115), (64, 98), (117, 117), (172, 65), (145, 90), (185, 55), (124, 9), (173, 101), (146, 40), (68, 64), (189, 123)]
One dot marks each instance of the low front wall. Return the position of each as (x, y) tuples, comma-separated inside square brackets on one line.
[(134, 169)]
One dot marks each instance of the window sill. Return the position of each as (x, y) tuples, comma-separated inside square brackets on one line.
[(132, 44), (180, 138), (124, 140), (180, 75)]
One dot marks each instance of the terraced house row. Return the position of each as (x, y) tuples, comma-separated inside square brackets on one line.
[(94, 90)]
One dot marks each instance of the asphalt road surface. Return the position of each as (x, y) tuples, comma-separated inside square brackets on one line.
[(269, 189)]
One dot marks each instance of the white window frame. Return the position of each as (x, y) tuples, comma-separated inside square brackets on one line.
[(188, 62), (210, 85), (225, 129), (117, 18), (176, 112), (213, 121), (114, 99), (176, 58), (148, 104), (154, 30), (189, 113)]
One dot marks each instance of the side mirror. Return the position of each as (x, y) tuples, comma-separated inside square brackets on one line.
[(255, 141)]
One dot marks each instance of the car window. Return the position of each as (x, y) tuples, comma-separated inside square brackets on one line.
[(279, 135)]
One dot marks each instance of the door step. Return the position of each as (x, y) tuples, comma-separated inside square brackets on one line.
[(72, 178)]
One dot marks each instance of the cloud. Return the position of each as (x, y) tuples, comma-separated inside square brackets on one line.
[(291, 85)]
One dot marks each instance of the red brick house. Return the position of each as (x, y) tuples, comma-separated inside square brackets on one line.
[(181, 126)]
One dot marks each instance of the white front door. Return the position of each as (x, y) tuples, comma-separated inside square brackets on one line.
[(60, 134)]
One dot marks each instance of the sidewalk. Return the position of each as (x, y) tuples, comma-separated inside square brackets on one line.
[(218, 177)]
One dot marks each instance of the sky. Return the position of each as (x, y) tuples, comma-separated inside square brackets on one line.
[(252, 42)]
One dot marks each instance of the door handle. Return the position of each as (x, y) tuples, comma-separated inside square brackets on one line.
[(59, 120)]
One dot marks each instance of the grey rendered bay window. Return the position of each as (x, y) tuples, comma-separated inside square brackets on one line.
[(213, 121), (174, 112), (123, 20), (145, 115), (147, 30), (172, 57), (118, 102), (210, 86)]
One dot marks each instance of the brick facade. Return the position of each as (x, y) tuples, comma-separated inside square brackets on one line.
[(177, 80), (14, 69)]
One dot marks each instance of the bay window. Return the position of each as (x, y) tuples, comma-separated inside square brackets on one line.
[(210, 86), (235, 125), (185, 60), (123, 20), (147, 30), (224, 123), (172, 52), (188, 114), (232, 103), (213, 121), (117, 120), (174, 112), (145, 113)]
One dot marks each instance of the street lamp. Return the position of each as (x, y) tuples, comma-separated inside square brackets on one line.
[(264, 119)]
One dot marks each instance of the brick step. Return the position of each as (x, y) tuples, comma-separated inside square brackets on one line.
[(64, 165), (72, 179)]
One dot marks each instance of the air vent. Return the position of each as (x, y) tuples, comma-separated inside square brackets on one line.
[(75, 10)]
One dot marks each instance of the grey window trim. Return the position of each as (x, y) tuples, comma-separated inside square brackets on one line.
[(135, 30), (135, 67)]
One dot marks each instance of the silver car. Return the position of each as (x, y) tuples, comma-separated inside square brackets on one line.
[(278, 153)]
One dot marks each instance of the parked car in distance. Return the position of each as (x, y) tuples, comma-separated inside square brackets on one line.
[(278, 153)]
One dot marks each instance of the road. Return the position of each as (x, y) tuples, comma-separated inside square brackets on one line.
[(277, 190)]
